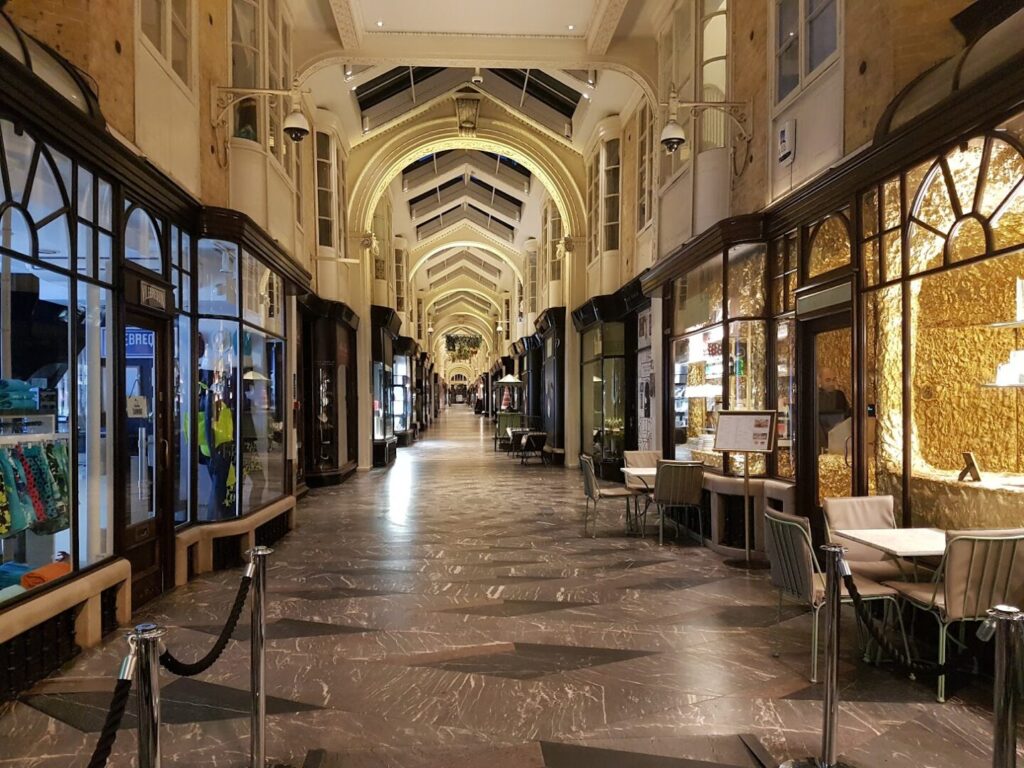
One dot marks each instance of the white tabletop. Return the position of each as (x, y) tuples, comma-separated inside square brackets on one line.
[(645, 473), (900, 542)]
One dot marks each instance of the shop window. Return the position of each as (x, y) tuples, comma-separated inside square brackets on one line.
[(142, 242), (830, 246), (34, 217), (604, 392), (36, 542), (747, 268), (182, 373), (699, 297), (167, 25), (806, 41), (216, 419), (967, 387), (959, 213), (785, 388), (217, 278), (262, 426), (883, 396), (401, 405), (698, 377), (262, 295), (784, 274), (95, 226), (748, 363)]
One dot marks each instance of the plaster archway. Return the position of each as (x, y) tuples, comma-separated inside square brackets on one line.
[(518, 142)]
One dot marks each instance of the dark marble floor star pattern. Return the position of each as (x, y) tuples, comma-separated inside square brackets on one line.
[(448, 613)]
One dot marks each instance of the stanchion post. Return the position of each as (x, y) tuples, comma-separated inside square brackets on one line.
[(835, 568), (1004, 711), (147, 639), (258, 571)]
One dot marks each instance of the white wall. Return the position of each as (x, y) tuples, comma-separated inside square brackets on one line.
[(166, 118), (817, 118)]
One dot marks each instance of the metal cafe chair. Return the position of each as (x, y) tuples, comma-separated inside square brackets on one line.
[(595, 492), (638, 459), (677, 484), (795, 572), (859, 512), (979, 570)]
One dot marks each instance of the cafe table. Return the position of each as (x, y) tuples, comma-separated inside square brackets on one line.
[(645, 475), (900, 543)]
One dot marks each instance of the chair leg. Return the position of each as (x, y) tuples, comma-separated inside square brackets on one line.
[(814, 646), (586, 515), (594, 534), (775, 635), (943, 632), (661, 525), (903, 631)]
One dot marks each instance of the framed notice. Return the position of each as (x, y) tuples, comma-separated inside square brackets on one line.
[(746, 431)]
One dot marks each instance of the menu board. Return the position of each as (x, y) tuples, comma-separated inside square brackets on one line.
[(746, 431)]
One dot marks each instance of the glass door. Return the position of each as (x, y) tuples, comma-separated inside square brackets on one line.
[(826, 452), (146, 449)]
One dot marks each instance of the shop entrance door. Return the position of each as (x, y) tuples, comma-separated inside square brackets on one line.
[(825, 446), (145, 475)]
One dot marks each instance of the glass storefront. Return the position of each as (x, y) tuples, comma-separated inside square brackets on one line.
[(603, 383), (240, 382), (720, 353), (401, 395)]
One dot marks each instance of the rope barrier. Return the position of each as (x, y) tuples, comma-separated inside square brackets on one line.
[(115, 713), (190, 669)]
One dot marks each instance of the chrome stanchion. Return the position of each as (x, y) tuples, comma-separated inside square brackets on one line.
[(835, 568), (257, 569), (147, 638), (1008, 628)]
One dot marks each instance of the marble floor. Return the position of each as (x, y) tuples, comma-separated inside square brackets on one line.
[(447, 612)]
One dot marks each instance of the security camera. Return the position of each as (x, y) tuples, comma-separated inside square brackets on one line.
[(672, 136), (296, 126), (477, 78)]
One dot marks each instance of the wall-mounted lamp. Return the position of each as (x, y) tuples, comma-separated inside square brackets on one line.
[(673, 135)]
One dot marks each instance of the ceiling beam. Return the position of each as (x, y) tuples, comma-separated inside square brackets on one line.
[(345, 22), (604, 22)]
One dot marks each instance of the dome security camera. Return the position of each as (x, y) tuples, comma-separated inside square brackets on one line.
[(672, 136), (296, 126)]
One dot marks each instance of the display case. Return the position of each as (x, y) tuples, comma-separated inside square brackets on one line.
[(551, 329), (386, 323), (402, 401)]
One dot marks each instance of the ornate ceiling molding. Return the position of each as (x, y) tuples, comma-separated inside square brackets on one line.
[(345, 22), (513, 141), (603, 24), (467, 112), (464, 234)]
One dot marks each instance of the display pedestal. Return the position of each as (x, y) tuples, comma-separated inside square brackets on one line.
[(746, 562)]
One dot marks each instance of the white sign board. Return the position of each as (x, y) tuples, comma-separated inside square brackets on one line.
[(746, 431)]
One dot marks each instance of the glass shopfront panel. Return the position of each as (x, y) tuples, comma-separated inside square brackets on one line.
[(748, 361), (262, 427), (383, 423), (603, 414), (699, 377), (785, 391), (36, 540), (400, 394), (699, 297), (217, 476)]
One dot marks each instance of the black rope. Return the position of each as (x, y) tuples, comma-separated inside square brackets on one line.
[(112, 723), (187, 669), (863, 613)]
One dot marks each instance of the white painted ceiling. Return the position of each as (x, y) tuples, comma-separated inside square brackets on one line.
[(526, 18)]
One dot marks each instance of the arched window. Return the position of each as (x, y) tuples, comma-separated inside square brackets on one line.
[(830, 246), (967, 203), (34, 218), (142, 242)]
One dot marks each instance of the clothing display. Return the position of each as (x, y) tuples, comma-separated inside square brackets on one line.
[(12, 591), (17, 395), (46, 573), (35, 488), (11, 573)]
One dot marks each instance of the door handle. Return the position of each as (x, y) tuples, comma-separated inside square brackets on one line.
[(165, 454), (846, 451)]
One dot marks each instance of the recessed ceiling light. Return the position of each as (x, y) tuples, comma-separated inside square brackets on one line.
[(380, 22), (586, 95)]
